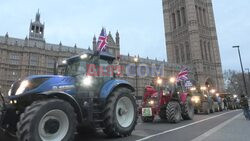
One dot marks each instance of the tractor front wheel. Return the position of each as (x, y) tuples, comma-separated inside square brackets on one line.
[(173, 112), (120, 114), (48, 120), (188, 109)]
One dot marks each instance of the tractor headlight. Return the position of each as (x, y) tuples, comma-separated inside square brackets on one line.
[(195, 99), (87, 80), (22, 87), (151, 102)]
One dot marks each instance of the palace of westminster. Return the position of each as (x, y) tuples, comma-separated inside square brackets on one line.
[(191, 41)]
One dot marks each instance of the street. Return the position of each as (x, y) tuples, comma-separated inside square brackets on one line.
[(204, 127)]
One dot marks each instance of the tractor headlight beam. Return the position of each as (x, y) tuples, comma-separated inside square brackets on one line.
[(22, 87)]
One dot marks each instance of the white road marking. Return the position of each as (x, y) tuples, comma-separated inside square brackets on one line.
[(178, 128), (213, 130)]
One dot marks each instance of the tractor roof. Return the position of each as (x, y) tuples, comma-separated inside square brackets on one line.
[(103, 55)]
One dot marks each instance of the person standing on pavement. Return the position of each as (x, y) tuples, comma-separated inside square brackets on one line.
[(245, 106)]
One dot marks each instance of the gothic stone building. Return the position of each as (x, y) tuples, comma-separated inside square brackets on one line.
[(191, 39), (32, 55), (20, 58)]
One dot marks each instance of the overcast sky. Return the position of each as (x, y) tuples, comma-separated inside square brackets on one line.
[(139, 22)]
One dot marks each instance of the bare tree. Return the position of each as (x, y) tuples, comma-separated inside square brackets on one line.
[(234, 83)]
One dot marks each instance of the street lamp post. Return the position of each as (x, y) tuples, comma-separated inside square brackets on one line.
[(136, 60), (243, 75)]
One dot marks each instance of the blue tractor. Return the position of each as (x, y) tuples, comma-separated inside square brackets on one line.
[(53, 107)]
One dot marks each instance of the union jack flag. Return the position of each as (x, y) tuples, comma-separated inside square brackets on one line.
[(182, 76), (102, 41)]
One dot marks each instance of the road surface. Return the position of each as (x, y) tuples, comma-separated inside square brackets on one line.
[(217, 126)]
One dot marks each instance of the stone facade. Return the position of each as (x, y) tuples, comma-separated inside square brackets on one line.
[(191, 39), (23, 57), (20, 58)]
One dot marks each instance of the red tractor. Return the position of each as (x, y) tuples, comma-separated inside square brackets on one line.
[(171, 102)]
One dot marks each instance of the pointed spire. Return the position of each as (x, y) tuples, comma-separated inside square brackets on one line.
[(60, 46), (117, 38), (117, 34), (75, 46), (89, 48), (38, 16), (128, 54), (26, 38), (7, 35)]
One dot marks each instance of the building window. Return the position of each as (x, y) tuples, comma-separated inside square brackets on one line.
[(14, 58), (183, 13), (209, 51), (188, 51), (32, 28), (34, 60), (205, 47), (205, 17), (197, 14), (41, 30), (179, 17), (174, 20), (202, 54), (37, 29), (177, 54), (50, 62), (200, 13), (182, 53)]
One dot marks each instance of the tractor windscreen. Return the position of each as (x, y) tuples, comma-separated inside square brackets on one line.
[(77, 67)]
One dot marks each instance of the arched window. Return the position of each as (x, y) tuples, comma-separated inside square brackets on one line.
[(209, 51), (202, 54), (177, 54), (179, 17), (182, 53), (197, 13), (174, 20), (205, 47), (183, 14), (205, 17), (200, 13), (188, 51)]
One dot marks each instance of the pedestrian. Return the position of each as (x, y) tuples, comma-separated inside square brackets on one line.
[(245, 106), (225, 104)]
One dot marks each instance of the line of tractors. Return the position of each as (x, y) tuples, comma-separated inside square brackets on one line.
[(54, 107), (173, 101)]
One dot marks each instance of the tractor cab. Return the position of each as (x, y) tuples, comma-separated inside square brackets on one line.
[(89, 71)]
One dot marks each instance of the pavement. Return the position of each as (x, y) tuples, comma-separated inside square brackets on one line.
[(235, 129), (220, 126)]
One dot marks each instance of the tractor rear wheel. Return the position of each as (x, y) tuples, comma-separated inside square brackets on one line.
[(188, 109), (120, 113), (47, 120), (173, 112), (162, 113)]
